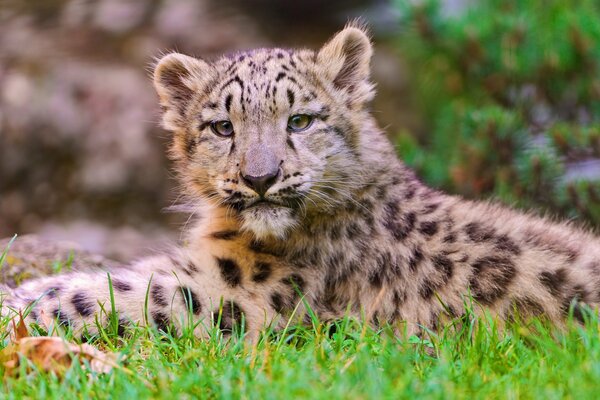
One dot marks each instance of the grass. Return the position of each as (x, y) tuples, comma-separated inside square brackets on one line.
[(345, 360), (341, 360)]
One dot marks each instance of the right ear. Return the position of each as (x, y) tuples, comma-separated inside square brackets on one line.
[(177, 77), (345, 60)]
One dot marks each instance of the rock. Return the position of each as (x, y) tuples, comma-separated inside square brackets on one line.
[(30, 257)]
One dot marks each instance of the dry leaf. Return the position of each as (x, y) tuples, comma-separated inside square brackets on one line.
[(54, 354), (19, 330), (51, 353)]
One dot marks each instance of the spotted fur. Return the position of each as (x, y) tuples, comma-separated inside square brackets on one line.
[(344, 227)]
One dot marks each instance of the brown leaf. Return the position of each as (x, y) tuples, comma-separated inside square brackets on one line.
[(19, 330), (54, 354)]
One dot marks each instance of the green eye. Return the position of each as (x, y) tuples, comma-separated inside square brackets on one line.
[(222, 128), (299, 122)]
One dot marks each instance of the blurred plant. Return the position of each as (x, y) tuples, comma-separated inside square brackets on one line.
[(511, 93)]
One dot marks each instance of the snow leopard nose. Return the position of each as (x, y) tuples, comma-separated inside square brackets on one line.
[(260, 184), (259, 168)]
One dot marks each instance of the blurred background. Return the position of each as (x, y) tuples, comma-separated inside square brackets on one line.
[(487, 98)]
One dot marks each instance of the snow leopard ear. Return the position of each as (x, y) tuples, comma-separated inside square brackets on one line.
[(346, 60), (177, 77)]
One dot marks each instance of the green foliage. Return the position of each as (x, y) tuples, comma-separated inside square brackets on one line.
[(511, 91)]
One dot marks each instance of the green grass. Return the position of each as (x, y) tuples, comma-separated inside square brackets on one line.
[(350, 361), (470, 359)]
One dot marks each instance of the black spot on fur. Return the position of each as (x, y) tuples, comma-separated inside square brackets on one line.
[(571, 305), (478, 233), (429, 208), (161, 320), (52, 291), (190, 300), (376, 277), (187, 271), (444, 265), (554, 281), (263, 271), (190, 145), (451, 311), (353, 230), (524, 307), (235, 79), (370, 221), (398, 225), (504, 243), (290, 143), (391, 264), (229, 318), (228, 102), (580, 312), (571, 255), (157, 293), (259, 247), (61, 316), (399, 298), (192, 267), (434, 321), (492, 275), (230, 271), (122, 327), (410, 191), (408, 225), (83, 305), (330, 293), (381, 192), (571, 302), (428, 228), (427, 289), (224, 235), (334, 232), (290, 97), (450, 237), (415, 259), (277, 302), (120, 285)]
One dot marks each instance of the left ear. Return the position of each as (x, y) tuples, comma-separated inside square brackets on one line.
[(346, 60)]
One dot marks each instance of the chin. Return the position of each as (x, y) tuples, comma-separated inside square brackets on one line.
[(268, 221)]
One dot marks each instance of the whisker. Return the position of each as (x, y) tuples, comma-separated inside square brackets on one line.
[(322, 196), (347, 197)]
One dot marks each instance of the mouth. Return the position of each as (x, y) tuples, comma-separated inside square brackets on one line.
[(263, 203), (239, 203)]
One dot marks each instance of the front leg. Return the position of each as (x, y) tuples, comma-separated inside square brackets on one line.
[(167, 291)]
